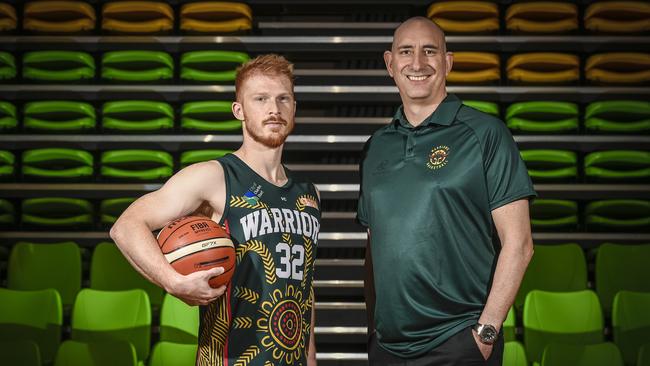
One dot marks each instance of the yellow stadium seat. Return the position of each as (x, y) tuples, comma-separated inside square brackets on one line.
[(58, 16), (137, 17), (8, 17), (544, 67), (542, 17), (465, 16), (619, 67), (216, 17), (475, 67), (618, 16)]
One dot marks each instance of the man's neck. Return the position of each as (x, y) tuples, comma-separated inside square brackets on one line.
[(417, 111), (265, 161)]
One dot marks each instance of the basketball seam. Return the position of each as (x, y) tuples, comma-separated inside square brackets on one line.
[(174, 230)]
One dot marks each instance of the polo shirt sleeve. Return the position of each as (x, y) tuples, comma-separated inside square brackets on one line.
[(362, 203), (506, 174)]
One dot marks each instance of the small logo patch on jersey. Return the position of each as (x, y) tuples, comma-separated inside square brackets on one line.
[(307, 201), (251, 198), (438, 157)]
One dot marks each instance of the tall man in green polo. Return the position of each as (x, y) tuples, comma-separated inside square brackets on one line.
[(440, 185)]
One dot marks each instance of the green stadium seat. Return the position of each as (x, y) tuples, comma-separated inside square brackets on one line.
[(465, 16), (8, 18), (7, 161), (554, 214), (7, 66), (560, 317), (111, 209), (57, 163), (542, 17), (544, 68), (137, 115), (211, 66), (113, 316), (22, 353), (209, 116), (179, 322), (137, 66), (621, 268), (35, 266), (8, 120), (542, 116), (631, 323), (623, 214), (625, 165), (618, 116), (618, 68), (618, 16), (57, 212), (58, 16), (137, 17), (58, 66), (485, 107), (198, 156), (136, 164), (110, 271), (104, 353), (58, 115), (509, 326), (216, 17), (475, 68), (599, 354), (32, 316), (556, 268), (173, 354), (644, 355), (6, 212), (514, 354), (544, 164)]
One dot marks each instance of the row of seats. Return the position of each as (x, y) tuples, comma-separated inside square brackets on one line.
[(611, 116), (216, 66), (560, 354), (131, 17)]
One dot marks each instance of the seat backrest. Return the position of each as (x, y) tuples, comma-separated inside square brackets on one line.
[(172, 354), (104, 353), (631, 323), (179, 322), (621, 267), (514, 354), (24, 353), (600, 354), (644, 355)]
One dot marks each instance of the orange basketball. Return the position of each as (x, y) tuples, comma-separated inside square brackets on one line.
[(196, 243)]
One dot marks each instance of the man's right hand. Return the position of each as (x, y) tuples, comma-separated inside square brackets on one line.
[(194, 288)]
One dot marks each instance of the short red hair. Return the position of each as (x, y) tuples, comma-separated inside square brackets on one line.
[(271, 65)]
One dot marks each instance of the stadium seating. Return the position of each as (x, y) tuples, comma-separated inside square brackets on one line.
[(643, 358), (542, 17), (45, 66), (618, 16), (618, 116), (619, 165), (6, 212), (102, 353), (58, 16), (509, 326), (209, 116), (23, 353), (57, 212), (599, 354), (7, 66), (137, 115), (483, 106), (514, 354), (136, 164), (179, 322), (172, 354), (543, 67), (465, 16), (8, 18), (542, 116), (554, 214), (7, 161), (211, 66), (110, 209), (618, 68), (475, 67), (631, 323), (618, 214), (8, 118), (57, 163), (137, 66), (137, 17), (216, 17), (58, 115), (197, 156), (545, 164)]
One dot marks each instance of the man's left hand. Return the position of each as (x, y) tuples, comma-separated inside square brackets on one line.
[(486, 349)]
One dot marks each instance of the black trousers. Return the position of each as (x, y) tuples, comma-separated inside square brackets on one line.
[(459, 350)]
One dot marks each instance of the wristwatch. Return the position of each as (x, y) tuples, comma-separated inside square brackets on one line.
[(487, 333)]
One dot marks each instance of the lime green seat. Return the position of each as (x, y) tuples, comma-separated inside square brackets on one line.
[(57, 163), (618, 116), (542, 117), (514, 354), (6, 212), (59, 115), (618, 214), (111, 209), (618, 164), (115, 316), (209, 116), (104, 353), (173, 354), (137, 66), (599, 354), (212, 66), (32, 315), (23, 353), (560, 317), (621, 268), (137, 115), (509, 326), (554, 214), (179, 322), (557, 268), (198, 156), (137, 164), (58, 66), (545, 164), (7, 161), (110, 271), (57, 212), (7, 66), (8, 120), (643, 358), (631, 323), (485, 107), (35, 266)]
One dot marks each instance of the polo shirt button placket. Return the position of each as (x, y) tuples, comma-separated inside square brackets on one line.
[(410, 145)]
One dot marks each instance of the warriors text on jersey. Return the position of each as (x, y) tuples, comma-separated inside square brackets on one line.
[(264, 317)]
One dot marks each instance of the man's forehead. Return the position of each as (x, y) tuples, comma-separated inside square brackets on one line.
[(417, 32)]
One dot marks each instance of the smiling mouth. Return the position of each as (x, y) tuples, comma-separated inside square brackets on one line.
[(417, 78)]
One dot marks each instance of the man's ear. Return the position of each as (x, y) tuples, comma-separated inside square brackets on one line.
[(388, 60), (449, 58), (238, 110)]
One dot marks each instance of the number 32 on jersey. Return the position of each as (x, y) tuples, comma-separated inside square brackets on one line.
[(291, 260)]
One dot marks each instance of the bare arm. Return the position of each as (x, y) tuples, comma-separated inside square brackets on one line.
[(179, 196), (369, 288), (311, 356)]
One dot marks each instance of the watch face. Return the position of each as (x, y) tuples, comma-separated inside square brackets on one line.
[(488, 334)]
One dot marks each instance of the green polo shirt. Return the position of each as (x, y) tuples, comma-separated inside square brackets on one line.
[(427, 193)]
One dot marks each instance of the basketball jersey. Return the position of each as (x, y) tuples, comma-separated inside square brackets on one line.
[(263, 318)]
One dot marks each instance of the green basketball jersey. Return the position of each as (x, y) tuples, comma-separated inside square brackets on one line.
[(263, 319)]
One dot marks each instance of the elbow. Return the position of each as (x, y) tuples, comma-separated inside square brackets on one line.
[(116, 231)]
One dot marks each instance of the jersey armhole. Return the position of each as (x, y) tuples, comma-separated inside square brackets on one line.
[(226, 206)]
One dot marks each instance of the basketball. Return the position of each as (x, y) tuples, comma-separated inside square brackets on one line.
[(196, 243)]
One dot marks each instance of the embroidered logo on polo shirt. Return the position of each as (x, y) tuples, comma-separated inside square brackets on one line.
[(438, 157)]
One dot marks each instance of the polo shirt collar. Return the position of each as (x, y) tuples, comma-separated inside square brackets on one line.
[(445, 114)]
